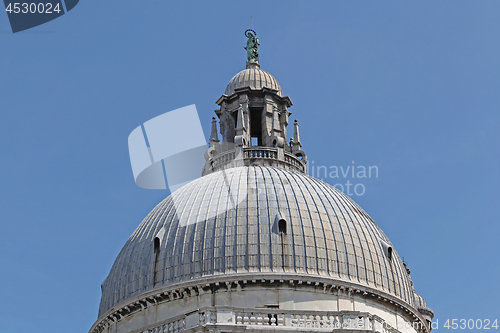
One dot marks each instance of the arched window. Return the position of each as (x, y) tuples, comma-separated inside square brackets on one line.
[(282, 226), (156, 250), (387, 249), (156, 245)]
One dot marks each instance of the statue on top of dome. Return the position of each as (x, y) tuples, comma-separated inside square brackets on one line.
[(252, 44)]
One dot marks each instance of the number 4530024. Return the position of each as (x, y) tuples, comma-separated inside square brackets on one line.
[(32, 8), (471, 324)]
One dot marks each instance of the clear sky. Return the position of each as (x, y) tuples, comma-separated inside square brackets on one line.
[(412, 87)]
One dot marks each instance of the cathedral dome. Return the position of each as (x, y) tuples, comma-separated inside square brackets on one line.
[(262, 221), (256, 244), (254, 78)]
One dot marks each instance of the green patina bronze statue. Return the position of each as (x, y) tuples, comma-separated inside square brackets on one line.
[(252, 44)]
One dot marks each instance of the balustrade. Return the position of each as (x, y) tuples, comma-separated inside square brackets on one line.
[(256, 156), (332, 320)]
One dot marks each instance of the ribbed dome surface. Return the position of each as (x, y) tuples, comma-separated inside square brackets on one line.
[(225, 223), (419, 301), (255, 78)]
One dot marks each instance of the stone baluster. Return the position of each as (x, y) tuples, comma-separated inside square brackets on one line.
[(320, 322), (328, 322)]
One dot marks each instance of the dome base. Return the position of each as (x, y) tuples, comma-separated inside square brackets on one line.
[(262, 305)]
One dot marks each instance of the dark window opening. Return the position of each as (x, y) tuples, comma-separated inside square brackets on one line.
[(256, 125), (156, 245), (387, 249), (282, 226), (235, 119)]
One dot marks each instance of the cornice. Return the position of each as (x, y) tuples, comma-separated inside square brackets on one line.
[(210, 284)]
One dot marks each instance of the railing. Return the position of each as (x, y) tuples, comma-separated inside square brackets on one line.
[(295, 161), (332, 320), (255, 156), (270, 153), (222, 159), (175, 326)]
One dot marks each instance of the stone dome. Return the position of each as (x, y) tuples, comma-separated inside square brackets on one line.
[(421, 306), (254, 78), (257, 221)]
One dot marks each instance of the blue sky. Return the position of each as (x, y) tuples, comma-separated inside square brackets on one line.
[(411, 87)]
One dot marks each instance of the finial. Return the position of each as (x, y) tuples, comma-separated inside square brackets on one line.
[(252, 44), (213, 135), (296, 135)]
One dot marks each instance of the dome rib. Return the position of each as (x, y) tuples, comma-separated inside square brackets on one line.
[(356, 242), (270, 193), (312, 225), (364, 240), (301, 267), (312, 182), (287, 215)]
